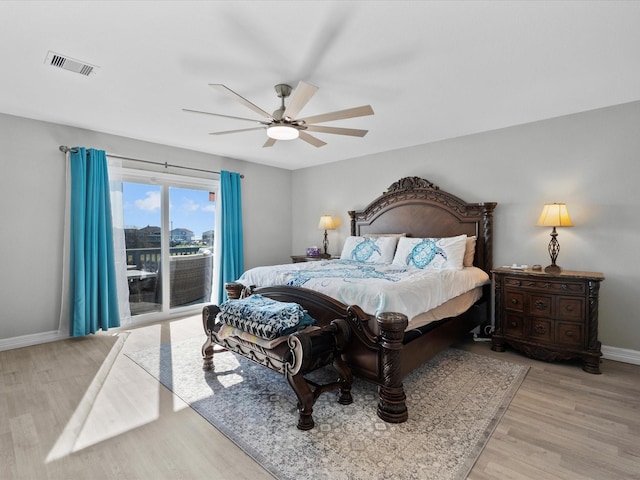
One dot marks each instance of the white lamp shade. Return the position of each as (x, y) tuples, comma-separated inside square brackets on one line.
[(327, 223), (554, 215), (282, 132)]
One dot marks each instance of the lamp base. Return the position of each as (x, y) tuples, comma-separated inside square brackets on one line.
[(553, 269), (325, 244), (554, 250)]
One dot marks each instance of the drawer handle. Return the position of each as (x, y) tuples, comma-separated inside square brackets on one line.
[(530, 284), (514, 301), (569, 333), (540, 305), (539, 329), (564, 286), (547, 285), (517, 283), (514, 324), (569, 308)]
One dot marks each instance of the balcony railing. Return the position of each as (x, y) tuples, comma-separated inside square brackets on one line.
[(190, 277), (148, 259)]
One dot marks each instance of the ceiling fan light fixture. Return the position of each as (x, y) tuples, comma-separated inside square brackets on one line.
[(284, 123), (282, 132)]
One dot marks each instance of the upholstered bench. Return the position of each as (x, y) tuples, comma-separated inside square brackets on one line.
[(294, 356)]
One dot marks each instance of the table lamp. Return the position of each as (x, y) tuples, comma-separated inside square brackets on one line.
[(554, 215), (326, 223)]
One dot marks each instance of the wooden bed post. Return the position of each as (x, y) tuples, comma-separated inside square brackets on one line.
[(392, 406)]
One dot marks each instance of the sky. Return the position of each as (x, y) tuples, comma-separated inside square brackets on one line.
[(188, 208)]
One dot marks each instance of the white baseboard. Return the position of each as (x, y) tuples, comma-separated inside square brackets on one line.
[(621, 354), (33, 339)]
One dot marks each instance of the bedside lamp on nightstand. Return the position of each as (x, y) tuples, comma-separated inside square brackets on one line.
[(554, 215), (326, 223)]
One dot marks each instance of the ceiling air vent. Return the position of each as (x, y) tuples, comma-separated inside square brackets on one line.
[(66, 63)]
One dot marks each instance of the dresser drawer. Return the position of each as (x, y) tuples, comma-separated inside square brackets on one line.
[(541, 330), (569, 334), (514, 301), (514, 326), (554, 286), (540, 305), (571, 308)]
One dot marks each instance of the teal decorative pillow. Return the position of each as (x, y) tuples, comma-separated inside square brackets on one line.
[(369, 249), (431, 253)]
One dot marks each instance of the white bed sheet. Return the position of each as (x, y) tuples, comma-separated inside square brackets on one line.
[(375, 288)]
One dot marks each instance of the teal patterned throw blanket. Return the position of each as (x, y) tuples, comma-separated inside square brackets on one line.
[(264, 317)]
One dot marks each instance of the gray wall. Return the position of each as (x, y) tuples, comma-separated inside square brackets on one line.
[(32, 196), (590, 160)]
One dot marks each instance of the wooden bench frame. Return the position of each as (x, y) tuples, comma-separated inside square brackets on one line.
[(299, 355)]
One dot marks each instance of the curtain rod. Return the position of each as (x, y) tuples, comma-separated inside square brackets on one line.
[(65, 149)]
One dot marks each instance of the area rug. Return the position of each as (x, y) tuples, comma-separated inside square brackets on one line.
[(454, 402)]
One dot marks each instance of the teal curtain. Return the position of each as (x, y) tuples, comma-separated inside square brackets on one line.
[(231, 242), (94, 299)]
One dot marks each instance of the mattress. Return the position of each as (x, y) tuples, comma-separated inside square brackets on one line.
[(378, 288)]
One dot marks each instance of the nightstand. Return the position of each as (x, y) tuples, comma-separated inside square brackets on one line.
[(304, 258), (548, 316)]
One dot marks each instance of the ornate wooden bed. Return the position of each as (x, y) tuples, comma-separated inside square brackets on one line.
[(417, 208)]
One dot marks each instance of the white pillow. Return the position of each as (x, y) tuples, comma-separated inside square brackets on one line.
[(431, 253), (368, 249)]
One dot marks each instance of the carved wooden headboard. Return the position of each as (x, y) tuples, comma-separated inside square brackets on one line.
[(418, 208)]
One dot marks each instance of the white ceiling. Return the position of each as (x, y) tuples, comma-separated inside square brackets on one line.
[(430, 70)]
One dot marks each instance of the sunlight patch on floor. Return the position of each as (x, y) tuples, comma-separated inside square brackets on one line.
[(227, 377), (122, 396), (67, 440)]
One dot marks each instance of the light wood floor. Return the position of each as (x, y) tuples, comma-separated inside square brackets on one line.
[(80, 409)]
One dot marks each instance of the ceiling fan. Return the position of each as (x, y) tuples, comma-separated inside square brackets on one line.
[(283, 123)]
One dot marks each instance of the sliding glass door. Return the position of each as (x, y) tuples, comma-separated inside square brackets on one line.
[(191, 220), (169, 224), (142, 215)]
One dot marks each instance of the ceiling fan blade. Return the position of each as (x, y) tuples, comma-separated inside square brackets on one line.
[(340, 115), (354, 132), (226, 116), (236, 131), (301, 96), (269, 142), (241, 99), (316, 142)]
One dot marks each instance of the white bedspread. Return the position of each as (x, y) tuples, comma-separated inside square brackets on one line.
[(375, 288)]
